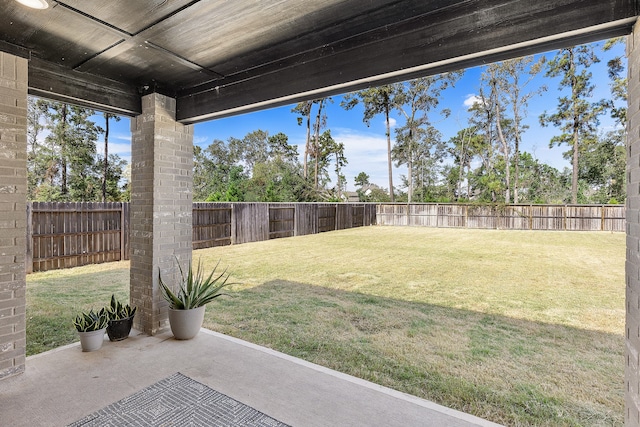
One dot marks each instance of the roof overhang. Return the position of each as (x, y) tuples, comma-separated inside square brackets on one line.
[(219, 58)]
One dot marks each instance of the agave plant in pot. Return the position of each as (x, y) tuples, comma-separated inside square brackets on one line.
[(120, 319), (91, 327), (187, 305)]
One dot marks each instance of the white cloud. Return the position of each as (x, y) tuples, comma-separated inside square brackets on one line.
[(122, 149), (198, 140), (365, 152), (123, 137), (470, 100), (392, 122)]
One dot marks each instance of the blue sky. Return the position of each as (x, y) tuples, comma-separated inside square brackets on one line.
[(365, 147)]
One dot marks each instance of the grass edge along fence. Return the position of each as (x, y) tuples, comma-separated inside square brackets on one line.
[(63, 235), (506, 217)]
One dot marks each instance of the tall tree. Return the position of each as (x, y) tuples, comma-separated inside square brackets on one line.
[(319, 124), (211, 171), (602, 167), (491, 77), (575, 115), (312, 147), (251, 149), (303, 109), (462, 150), (377, 100), (72, 144), (37, 159), (332, 148), (485, 180), (512, 78), (616, 71), (280, 149), (417, 137), (105, 166)]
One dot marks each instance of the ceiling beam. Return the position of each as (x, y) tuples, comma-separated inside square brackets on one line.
[(52, 81), (494, 30)]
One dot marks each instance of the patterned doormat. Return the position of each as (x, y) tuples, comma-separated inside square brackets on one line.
[(178, 401)]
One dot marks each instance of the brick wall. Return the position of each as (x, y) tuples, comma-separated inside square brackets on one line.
[(632, 378), (161, 205), (13, 199)]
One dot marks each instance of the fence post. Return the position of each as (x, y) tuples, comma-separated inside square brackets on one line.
[(29, 256), (121, 231), (530, 217), (408, 214), (466, 216), (234, 234), (602, 218)]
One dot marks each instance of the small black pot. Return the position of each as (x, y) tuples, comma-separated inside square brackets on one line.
[(118, 330)]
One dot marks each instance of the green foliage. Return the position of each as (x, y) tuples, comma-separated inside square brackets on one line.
[(602, 167), (65, 165), (195, 289), (118, 311), (418, 141), (274, 174), (576, 116), (362, 179), (542, 183), (481, 163), (91, 321)]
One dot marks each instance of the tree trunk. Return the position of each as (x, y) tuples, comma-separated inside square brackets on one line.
[(576, 127), (307, 145), (63, 151), (106, 158), (516, 154), (338, 176), (316, 147), (388, 134), (574, 177), (410, 177), (461, 164), (505, 152)]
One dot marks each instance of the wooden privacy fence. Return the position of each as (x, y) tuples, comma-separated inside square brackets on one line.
[(508, 217), (62, 235)]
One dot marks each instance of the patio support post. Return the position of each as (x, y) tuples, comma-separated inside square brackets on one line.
[(13, 213), (161, 206), (632, 269)]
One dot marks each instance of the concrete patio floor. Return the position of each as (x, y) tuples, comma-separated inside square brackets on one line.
[(65, 384)]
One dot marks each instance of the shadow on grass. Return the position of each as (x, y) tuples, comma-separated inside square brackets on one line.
[(54, 298), (510, 371)]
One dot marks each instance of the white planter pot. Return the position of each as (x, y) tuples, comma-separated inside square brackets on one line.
[(92, 340), (185, 324)]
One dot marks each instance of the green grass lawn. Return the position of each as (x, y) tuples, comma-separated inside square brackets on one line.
[(522, 328)]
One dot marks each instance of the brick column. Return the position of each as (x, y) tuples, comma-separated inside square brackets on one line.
[(161, 206), (13, 212), (632, 270)]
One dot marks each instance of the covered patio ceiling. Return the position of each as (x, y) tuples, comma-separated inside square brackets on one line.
[(221, 57)]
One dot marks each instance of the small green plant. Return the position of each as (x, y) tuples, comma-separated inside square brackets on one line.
[(195, 289), (91, 321), (118, 311)]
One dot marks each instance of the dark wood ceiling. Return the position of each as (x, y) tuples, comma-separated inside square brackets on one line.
[(220, 57)]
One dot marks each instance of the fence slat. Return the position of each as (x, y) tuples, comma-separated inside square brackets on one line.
[(510, 217), (70, 234)]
